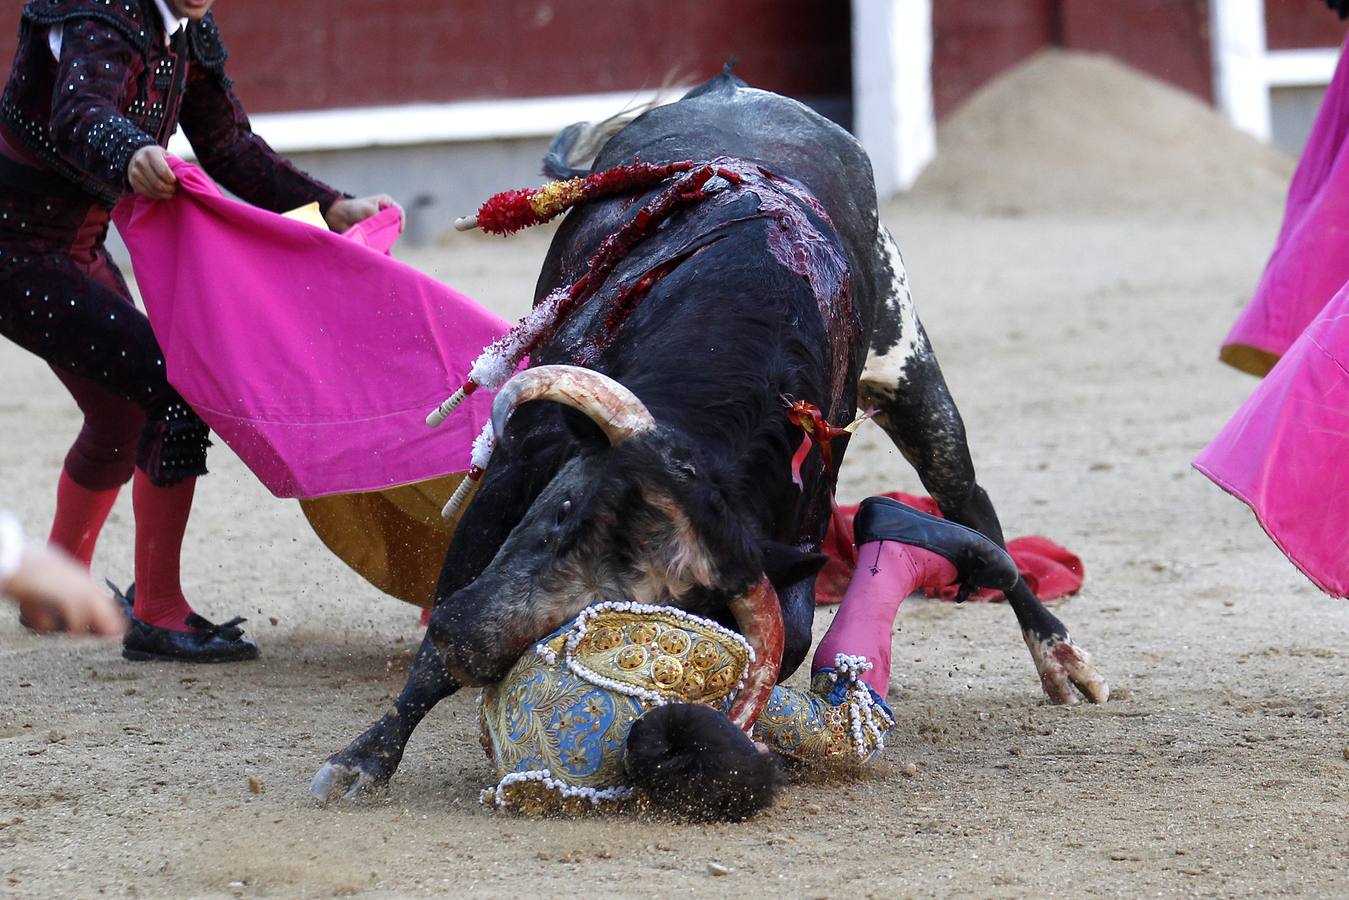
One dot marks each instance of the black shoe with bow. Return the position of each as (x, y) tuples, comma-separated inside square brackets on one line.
[(207, 642), (979, 562)]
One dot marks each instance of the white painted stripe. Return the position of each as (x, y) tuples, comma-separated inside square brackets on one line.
[(1301, 68), (436, 123)]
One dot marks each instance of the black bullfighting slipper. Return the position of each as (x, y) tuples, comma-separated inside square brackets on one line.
[(979, 562), (205, 643)]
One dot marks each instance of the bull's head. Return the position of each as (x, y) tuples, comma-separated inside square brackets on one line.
[(634, 515)]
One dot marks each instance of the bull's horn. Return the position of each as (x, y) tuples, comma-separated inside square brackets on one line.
[(614, 408), (759, 615)]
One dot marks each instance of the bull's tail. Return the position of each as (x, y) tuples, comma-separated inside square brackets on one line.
[(557, 162), (691, 760), (576, 146)]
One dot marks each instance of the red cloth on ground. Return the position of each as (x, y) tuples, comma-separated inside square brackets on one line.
[(1050, 570)]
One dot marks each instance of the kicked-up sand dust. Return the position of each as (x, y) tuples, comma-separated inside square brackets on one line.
[(1077, 255)]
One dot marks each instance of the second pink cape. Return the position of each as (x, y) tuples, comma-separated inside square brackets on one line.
[(1286, 451)]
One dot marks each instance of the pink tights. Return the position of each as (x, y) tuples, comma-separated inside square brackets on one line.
[(887, 572)]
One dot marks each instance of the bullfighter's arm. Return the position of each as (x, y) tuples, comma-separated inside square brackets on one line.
[(88, 129)]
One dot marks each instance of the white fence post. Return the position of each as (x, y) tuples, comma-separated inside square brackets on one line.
[(1240, 81), (892, 89)]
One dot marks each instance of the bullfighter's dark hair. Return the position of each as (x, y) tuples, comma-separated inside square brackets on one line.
[(690, 760)]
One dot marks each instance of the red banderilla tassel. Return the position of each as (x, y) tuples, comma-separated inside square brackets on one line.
[(818, 433), (510, 211)]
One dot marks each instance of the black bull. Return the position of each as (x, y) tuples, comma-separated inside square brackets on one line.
[(736, 301)]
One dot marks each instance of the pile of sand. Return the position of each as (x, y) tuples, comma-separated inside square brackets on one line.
[(1072, 132)]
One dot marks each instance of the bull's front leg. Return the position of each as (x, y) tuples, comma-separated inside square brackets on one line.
[(1063, 666), (904, 383), (370, 761)]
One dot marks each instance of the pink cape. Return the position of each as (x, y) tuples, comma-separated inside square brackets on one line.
[(1286, 451), (1310, 262), (314, 356)]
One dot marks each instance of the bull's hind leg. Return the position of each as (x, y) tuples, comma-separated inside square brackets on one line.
[(370, 761), (903, 382)]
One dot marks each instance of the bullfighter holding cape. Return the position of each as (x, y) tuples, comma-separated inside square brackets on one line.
[(95, 92)]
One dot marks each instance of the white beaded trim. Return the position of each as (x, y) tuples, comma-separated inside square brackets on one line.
[(851, 666), (583, 621), (11, 547), (861, 703), (497, 795)]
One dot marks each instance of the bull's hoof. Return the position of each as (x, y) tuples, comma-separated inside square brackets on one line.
[(343, 781), (1065, 669)]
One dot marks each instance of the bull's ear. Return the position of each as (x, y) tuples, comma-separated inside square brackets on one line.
[(786, 565), (584, 429)]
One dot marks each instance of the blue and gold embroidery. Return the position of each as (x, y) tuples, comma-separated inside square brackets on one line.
[(555, 727)]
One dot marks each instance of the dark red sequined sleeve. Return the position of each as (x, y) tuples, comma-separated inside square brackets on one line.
[(96, 72), (215, 123)]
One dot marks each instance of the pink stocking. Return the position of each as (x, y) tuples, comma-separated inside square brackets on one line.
[(80, 514), (887, 572), (161, 519)]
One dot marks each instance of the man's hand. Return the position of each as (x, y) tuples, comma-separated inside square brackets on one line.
[(55, 593), (150, 175), (346, 212)]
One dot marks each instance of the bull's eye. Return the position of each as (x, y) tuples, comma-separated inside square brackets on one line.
[(562, 512)]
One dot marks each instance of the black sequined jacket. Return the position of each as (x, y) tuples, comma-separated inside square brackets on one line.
[(117, 88)]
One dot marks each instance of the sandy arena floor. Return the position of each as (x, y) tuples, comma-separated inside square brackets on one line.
[(1080, 344)]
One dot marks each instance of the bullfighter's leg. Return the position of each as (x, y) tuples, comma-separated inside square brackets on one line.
[(844, 714), (904, 383), (370, 760), (901, 550)]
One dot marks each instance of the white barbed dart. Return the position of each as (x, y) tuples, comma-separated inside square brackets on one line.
[(483, 445)]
